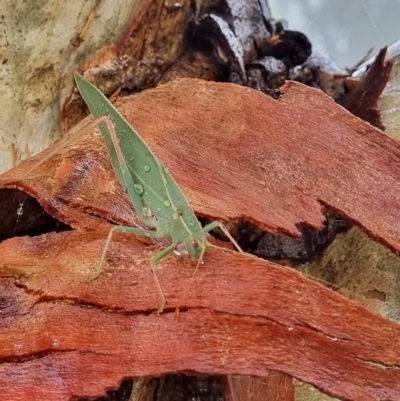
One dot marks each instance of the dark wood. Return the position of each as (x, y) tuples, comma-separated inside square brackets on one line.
[(276, 387), (362, 99)]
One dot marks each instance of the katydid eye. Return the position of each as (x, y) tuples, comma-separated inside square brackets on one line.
[(195, 244)]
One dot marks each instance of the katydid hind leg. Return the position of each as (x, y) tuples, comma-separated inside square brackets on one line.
[(200, 259), (101, 107), (126, 179), (154, 260), (207, 228), (176, 315), (125, 229)]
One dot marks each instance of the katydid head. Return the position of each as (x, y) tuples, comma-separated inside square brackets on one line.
[(194, 247)]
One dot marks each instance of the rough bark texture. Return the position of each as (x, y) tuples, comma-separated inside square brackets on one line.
[(232, 151)]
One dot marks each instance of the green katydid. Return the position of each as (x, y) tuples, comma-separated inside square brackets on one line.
[(158, 200)]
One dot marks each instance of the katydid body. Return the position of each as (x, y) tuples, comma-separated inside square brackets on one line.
[(158, 200)]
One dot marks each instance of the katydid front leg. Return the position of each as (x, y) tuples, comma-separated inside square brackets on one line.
[(209, 227)]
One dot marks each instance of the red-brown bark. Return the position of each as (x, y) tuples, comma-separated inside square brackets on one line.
[(237, 154)]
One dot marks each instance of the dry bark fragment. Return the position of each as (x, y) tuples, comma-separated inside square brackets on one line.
[(359, 96), (362, 99), (188, 122), (241, 315)]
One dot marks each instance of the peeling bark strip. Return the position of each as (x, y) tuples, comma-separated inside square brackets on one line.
[(236, 153), (243, 316)]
